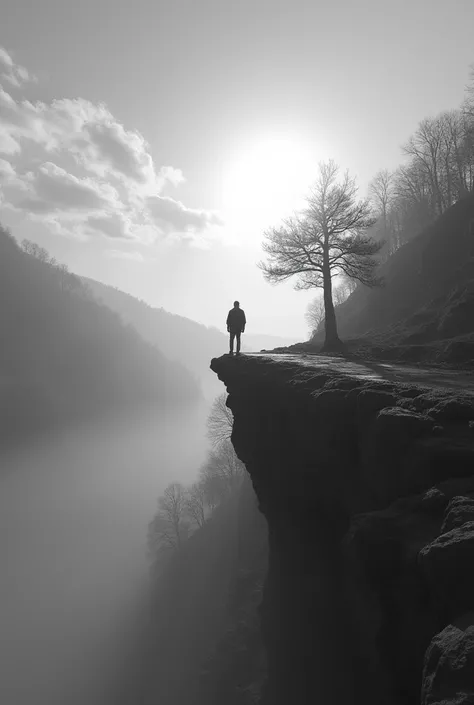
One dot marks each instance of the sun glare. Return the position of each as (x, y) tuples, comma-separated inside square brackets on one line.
[(267, 182)]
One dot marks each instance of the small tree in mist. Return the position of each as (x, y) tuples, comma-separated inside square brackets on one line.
[(343, 290), (34, 250), (196, 503), (66, 280), (170, 526), (181, 510), (219, 421), (213, 487), (382, 194), (223, 470), (327, 239), (314, 315)]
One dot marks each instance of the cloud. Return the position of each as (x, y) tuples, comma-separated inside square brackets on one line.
[(124, 152), (8, 145), (173, 216), (52, 189), (9, 180), (174, 176), (77, 206), (86, 173), (7, 175), (15, 74), (23, 120), (89, 132), (114, 226), (7, 172), (120, 254)]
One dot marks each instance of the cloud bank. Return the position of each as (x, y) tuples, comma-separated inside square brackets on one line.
[(72, 165)]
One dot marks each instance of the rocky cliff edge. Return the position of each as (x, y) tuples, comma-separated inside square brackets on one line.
[(367, 485)]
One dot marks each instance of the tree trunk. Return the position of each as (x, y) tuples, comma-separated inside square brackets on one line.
[(332, 342)]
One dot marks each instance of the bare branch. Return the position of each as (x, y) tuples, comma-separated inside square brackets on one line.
[(219, 421)]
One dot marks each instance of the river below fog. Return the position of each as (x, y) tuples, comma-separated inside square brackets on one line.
[(74, 510)]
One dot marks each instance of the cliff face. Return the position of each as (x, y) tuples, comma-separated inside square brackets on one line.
[(368, 491)]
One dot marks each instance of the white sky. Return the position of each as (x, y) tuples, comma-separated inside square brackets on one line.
[(240, 98)]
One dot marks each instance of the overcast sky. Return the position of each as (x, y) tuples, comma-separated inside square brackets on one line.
[(148, 143)]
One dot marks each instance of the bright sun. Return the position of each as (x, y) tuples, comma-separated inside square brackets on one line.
[(267, 181)]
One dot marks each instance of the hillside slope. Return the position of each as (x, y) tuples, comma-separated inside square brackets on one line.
[(179, 338), (428, 295), (64, 356)]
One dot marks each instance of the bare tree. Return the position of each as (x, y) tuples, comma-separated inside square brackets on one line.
[(341, 292), (36, 251), (329, 238), (468, 105), (350, 285), (67, 281), (314, 315), (196, 502), (221, 474), (225, 463), (412, 207), (219, 421), (381, 192), (214, 487), (425, 146), (169, 528)]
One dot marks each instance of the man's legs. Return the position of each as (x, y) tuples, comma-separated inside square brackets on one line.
[(231, 342), (238, 342)]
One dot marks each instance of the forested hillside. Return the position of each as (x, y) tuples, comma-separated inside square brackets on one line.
[(424, 225), (428, 294), (63, 355)]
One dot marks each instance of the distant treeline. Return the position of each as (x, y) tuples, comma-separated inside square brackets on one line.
[(438, 172), (63, 355)]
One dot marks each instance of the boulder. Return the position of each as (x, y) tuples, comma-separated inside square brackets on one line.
[(448, 673), (433, 501), (457, 409), (459, 511), (448, 566), (371, 401), (426, 401), (395, 424)]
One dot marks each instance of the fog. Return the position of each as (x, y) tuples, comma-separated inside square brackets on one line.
[(74, 509)]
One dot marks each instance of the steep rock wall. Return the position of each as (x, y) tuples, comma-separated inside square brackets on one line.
[(367, 487)]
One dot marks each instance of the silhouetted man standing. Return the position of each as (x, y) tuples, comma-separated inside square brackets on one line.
[(235, 326)]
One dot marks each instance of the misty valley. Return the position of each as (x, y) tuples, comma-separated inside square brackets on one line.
[(98, 427), (74, 510)]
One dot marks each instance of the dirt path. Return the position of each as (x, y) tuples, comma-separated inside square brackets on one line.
[(439, 378)]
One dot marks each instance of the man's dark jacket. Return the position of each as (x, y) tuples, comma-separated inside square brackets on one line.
[(236, 320)]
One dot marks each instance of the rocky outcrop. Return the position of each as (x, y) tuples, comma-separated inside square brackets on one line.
[(367, 487), (448, 676)]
